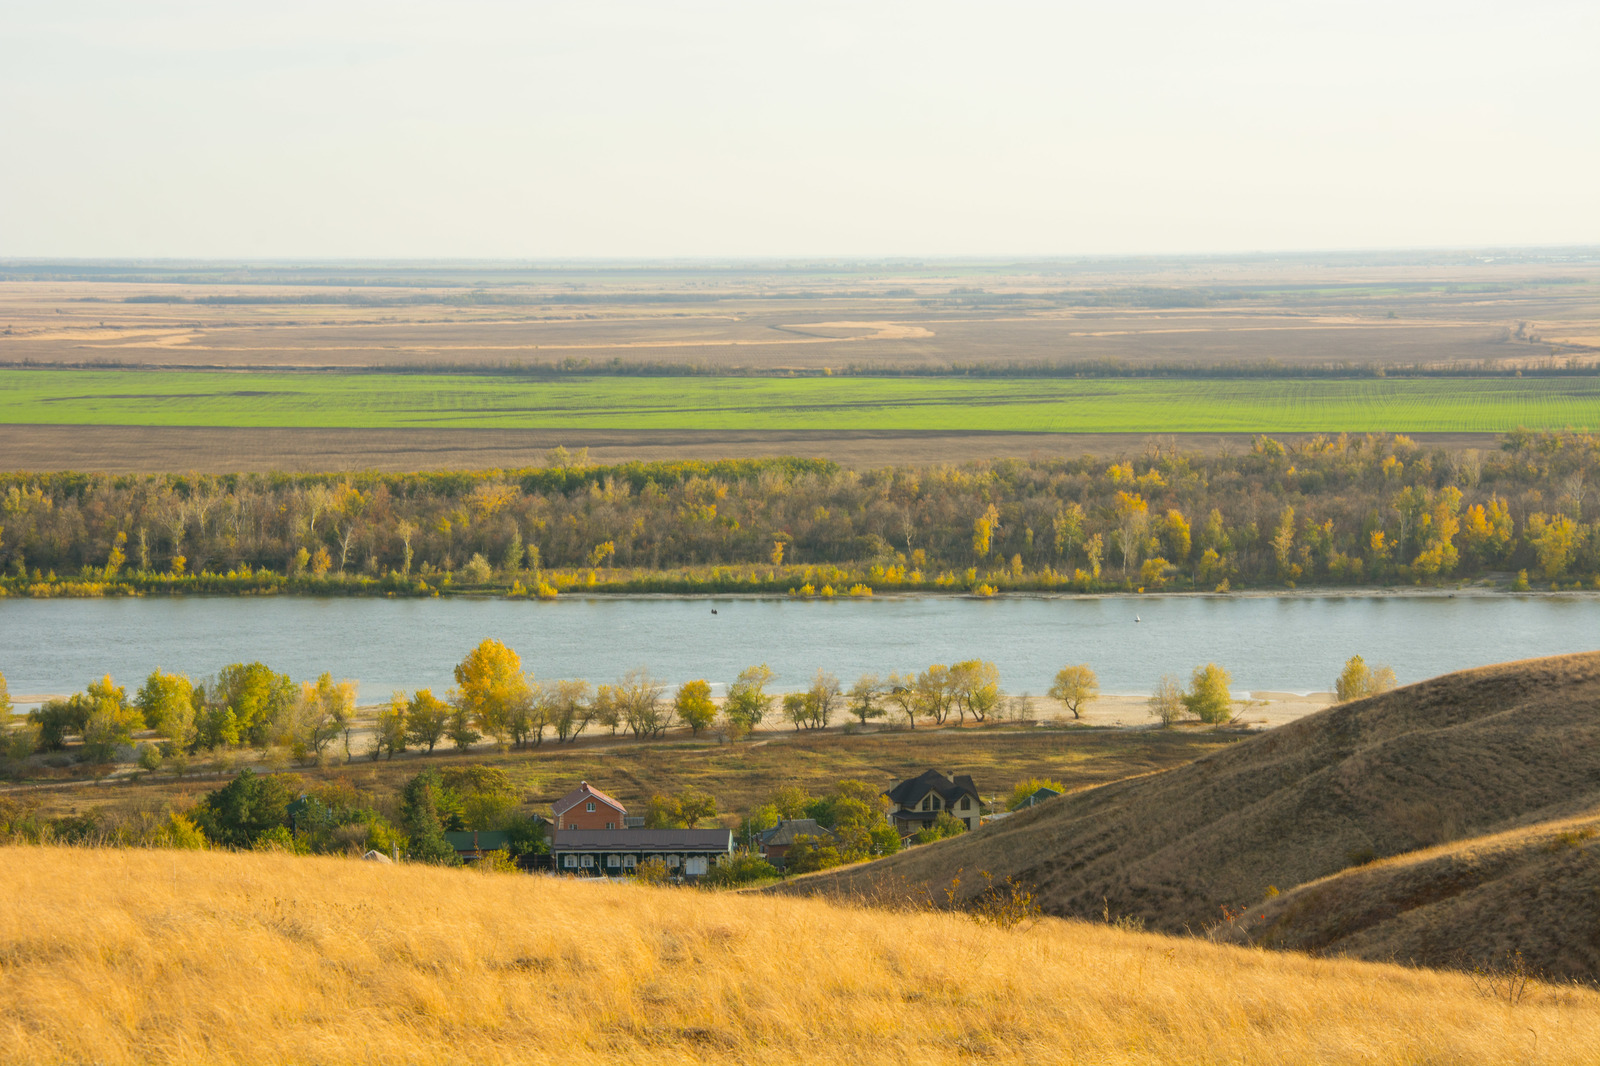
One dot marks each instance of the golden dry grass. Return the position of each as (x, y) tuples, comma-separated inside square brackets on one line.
[(149, 956), (1533, 891)]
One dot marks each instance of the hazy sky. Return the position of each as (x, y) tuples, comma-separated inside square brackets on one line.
[(533, 130)]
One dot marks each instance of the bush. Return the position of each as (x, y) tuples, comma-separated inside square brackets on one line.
[(946, 825), (743, 869), (1208, 698)]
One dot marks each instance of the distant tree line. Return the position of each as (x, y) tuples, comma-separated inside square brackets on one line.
[(1325, 510)]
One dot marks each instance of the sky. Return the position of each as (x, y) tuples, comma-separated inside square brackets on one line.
[(529, 130)]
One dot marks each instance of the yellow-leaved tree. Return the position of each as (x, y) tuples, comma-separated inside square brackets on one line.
[(492, 690)]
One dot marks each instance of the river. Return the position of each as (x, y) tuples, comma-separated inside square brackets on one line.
[(1269, 643)]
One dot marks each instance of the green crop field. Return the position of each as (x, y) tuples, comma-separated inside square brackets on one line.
[(400, 401)]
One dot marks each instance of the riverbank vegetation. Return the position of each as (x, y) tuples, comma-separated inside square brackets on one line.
[(1331, 511)]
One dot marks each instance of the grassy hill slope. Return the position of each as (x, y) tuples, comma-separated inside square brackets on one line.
[(120, 956), (1533, 890), (1458, 756)]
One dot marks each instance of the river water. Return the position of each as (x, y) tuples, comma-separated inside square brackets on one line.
[(1268, 643)]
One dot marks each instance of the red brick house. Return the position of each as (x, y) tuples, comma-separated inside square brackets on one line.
[(586, 807)]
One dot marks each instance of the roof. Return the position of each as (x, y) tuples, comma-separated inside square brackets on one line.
[(785, 831), (584, 791), (1041, 795), (910, 791), (643, 840), (478, 840)]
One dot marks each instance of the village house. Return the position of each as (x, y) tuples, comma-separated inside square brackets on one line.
[(687, 853), (774, 843), (917, 803), (592, 835), (586, 807), (474, 845), (1040, 795)]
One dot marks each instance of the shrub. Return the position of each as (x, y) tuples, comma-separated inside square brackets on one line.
[(743, 869), (946, 825)]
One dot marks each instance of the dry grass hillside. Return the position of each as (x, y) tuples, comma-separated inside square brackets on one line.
[(122, 956), (1458, 756), (1478, 902)]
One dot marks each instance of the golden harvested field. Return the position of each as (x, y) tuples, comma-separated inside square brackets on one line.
[(161, 956), (771, 316)]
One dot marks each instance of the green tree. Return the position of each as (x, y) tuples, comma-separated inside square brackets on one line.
[(239, 812), (1075, 686), (419, 815), (975, 688), (461, 733), (1067, 527), (935, 693), (810, 853), (427, 720), (683, 811), (111, 721), (389, 736), (796, 709), (569, 705), (1208, 698), (748, 700), (511, 562), (864, 696), (693, 705), (325, 710), (167, 702), (822, 699), (639, 701), (247, 702)]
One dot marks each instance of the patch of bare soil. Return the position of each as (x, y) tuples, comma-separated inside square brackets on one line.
[(158, 449)]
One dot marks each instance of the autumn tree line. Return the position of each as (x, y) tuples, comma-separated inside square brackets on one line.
[(249, 705), (1337, 510)]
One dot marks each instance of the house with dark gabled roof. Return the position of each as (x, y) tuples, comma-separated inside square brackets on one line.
[(774, 843), (586, 807), (1044, 792), (918, 802)]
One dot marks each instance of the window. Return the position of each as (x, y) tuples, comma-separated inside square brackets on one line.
[(628, 862), (611, 825), (927, 803), (572, 825), (613, 861), (966, 803), (571, 862), (589, 806), (672, 862), (588, 861)]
